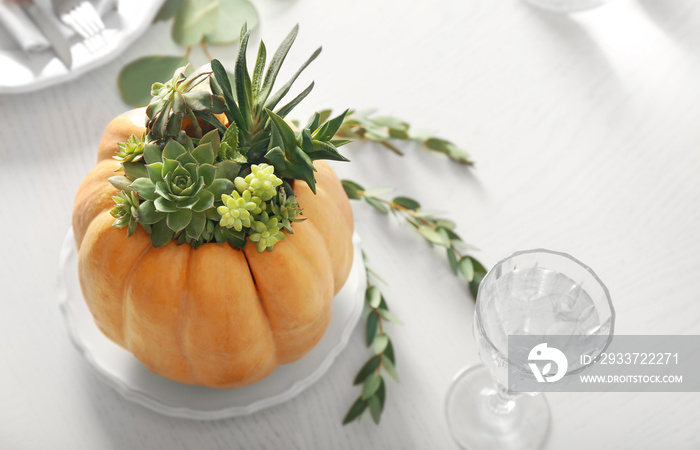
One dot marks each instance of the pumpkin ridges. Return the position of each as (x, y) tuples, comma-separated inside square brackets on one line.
[(154, 310), (229, 340), (326, 210), (326, 216), (298, 304), (103, 271)]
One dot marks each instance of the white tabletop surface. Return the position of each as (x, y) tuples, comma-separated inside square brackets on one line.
[(585, 134)]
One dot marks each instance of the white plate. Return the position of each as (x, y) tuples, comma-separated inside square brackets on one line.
[(22, 73), (121, 370)]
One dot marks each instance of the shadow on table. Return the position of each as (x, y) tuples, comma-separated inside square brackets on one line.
[(675, 18), (592, 59)]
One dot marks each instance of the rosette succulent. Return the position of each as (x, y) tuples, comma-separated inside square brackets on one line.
[(212, 305), (218, 164), (132, 149), (180, 188)]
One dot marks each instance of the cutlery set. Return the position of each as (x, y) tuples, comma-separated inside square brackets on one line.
[(79, 15)]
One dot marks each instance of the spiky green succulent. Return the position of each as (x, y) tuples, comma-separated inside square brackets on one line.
[(222, 180)]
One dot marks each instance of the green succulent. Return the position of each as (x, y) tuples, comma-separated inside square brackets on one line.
[(125, 211), (230, 184), (266, 232), (261, 182), (238, 210), (174, 100), (286, 210), (262, 135), (132, 149), (180, 191)]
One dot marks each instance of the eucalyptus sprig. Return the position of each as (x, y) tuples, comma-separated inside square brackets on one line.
[(195, 24), (435, 230), (362, 125), (383, 359)]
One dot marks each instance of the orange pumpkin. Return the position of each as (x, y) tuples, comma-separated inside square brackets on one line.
[(215, 316)]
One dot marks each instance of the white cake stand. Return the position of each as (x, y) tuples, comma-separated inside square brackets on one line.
[(121, 370)]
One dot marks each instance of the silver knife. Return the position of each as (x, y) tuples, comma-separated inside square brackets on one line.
[(50, 30)]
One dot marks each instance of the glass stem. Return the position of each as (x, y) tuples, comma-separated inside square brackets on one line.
[(500, 401)]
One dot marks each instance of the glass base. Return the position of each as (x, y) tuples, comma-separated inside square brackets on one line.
[(476, 422)]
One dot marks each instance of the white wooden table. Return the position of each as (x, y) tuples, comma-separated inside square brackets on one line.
[(585, 133)]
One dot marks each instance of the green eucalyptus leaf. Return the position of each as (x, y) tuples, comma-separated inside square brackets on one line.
[(375, 408), (371, 328), (352, 189), (381, 394), (373, 297), (380, 342), (194, 20), (389, 353), (168, 10), (388, 316), (381, 207), (355, 411), (376, 192), (371, 385), (368, 369), (433, 236), (406, 202), (233, 14), (389, 368), (137, 77), (466, 268), (479, 274), (452, 257)]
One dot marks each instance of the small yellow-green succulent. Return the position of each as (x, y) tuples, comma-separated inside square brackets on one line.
[(238, 209)]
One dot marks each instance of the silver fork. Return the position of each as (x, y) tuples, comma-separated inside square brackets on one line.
[(80, 16)]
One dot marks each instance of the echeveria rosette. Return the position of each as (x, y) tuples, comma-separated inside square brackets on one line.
[(125, 211), (179, 193), (174, 100), (132, 150)]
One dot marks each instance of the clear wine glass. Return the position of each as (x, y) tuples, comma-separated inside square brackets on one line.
[(533, 292)]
